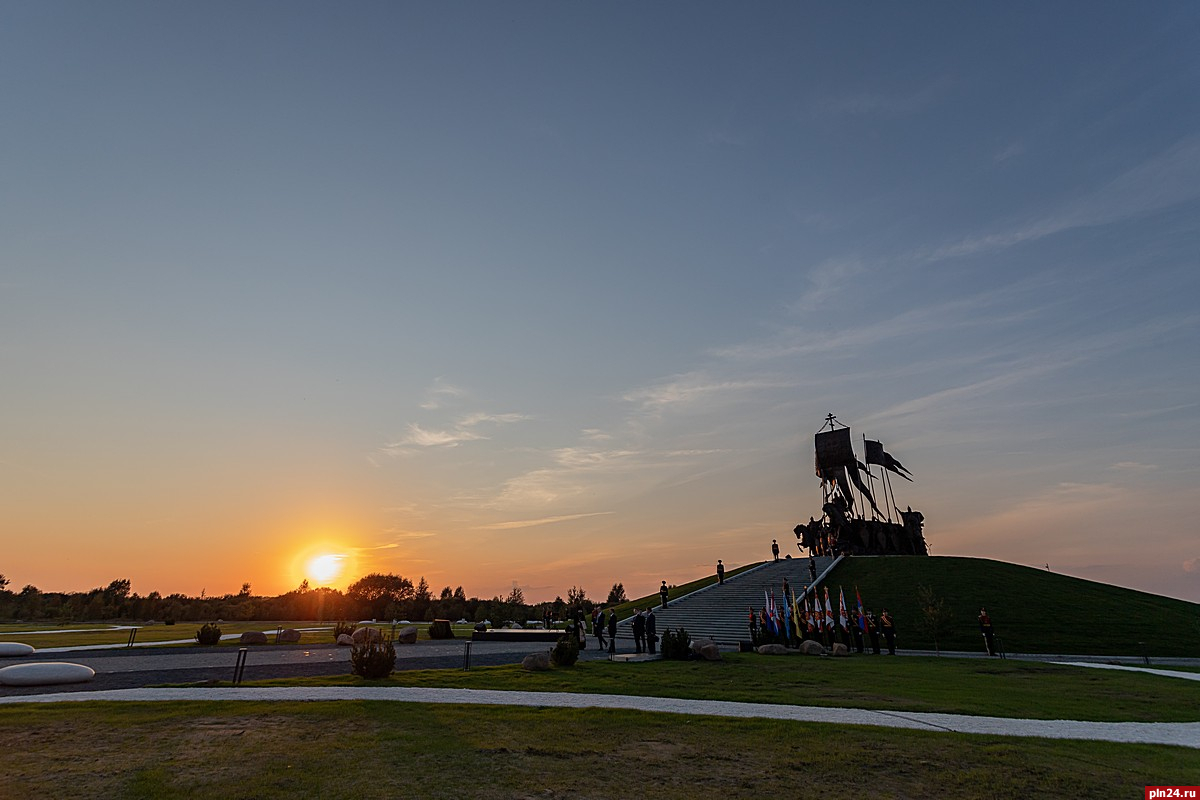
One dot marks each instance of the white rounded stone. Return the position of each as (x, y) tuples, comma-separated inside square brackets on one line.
[(14, 649), (45, 673)]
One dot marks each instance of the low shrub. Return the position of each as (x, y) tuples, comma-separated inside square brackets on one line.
[(209, 633), (373, 659), (343, 627), (566, 651), (676, 645)]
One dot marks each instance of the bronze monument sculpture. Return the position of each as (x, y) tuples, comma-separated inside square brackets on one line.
[(843, 527)]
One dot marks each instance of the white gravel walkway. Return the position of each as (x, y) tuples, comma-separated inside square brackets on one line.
[(1184, 734)]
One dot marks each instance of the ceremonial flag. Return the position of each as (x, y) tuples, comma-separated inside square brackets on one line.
[(843, 617), (828, 611), (769, 605), (796, 615), (818, 613), (862, 615)]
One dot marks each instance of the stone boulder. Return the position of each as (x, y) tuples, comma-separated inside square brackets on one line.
[(289, 636), (345, 640), (366, 634), (254, 637), (45, 673), (709, 652), (840, 649), (696, 645), (440, 629), (772, 650), (536, 662), (810, 647), (8, 649), (407, 635)]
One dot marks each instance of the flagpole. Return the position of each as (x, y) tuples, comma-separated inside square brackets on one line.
[(870, 478)]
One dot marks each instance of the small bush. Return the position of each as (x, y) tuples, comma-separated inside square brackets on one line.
[(566, 651), (373, 660), (676, 645), (209, 633), (343, 627)]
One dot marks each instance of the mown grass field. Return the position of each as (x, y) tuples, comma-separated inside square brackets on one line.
[(365, 750), (1019, 689), (72, 635)]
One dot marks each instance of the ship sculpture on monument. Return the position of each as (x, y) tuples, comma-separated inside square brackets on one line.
[(844, 525)]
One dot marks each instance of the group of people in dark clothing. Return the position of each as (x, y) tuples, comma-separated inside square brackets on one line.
[(644, 625)]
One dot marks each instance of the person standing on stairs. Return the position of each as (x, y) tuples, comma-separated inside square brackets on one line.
[(663, 593), (720, 572)]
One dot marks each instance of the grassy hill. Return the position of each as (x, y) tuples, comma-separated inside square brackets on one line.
[(1034, 611)]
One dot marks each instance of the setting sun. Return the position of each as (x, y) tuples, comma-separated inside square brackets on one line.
[(325, 568)]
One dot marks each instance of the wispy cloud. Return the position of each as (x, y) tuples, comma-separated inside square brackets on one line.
[(417, 438), (696, 387), (889, 104), (421, 437), (1167, 179), (1133, 466), (532, 523), (439, 393), (826, 281)]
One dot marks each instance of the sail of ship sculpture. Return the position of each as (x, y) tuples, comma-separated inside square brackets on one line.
[(844, 526)]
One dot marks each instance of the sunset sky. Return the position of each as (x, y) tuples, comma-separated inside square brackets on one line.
[(556, 294)]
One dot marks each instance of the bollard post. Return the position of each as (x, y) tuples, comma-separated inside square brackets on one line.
[(132, 636), (1145, 653), (240, 666), (467, 655)]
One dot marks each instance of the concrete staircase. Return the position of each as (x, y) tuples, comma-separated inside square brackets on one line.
[(720, 611)]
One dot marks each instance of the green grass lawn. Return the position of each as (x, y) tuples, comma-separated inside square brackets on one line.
[(365, 750), (97, 634), (1034, 611), (959, 686)]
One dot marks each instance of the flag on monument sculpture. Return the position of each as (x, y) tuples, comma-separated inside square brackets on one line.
[(877, 455)]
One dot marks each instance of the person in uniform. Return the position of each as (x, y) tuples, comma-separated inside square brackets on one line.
[(889, 631), (612, 630), (651, 631), (855, 620), (663, 592), (775, 549), (720, 571), (985, 627), (753, 627), (873, 632)]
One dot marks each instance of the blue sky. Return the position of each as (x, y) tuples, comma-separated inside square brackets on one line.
[(556, 294)]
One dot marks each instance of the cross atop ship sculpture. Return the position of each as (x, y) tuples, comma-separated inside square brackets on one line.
[(844, 526)]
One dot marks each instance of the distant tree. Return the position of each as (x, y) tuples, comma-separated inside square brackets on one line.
[(3, 583), (303, 587), (376, 590), (245, 592), (117, 590), (460, 595), (516, 597), (935, 618), (447, 594), (616, 594), (577, 599)]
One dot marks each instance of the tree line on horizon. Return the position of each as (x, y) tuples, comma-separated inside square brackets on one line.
[(381, 596)]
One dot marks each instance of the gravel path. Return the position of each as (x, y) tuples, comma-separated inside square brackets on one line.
[(1184, 734)]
